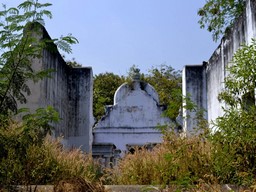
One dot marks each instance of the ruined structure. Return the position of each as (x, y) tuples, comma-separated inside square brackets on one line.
[(69, 91), (132, 121), (133, 118), (203, 83)]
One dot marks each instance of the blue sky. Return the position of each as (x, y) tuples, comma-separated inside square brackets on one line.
[(115, 34)]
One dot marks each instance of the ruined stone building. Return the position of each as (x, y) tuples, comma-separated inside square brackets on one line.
[(132, 121), (133, 118), (203, 83), (69, 91)]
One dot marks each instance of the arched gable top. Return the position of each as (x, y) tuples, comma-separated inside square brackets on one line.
[(125, 88)]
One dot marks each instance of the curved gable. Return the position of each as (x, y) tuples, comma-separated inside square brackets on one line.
[(123, 91)]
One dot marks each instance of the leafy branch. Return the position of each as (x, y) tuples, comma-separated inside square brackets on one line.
[(20, 43), (217, 16)]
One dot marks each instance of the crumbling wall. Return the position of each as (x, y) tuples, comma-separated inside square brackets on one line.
[(69, 90), (134, 119), (80, 87), (194, 87), (216, 68), (243, 31)]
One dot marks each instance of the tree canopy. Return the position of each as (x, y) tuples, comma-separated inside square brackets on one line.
[(163, 78), (104, 87), (217, 16), (167, 82)]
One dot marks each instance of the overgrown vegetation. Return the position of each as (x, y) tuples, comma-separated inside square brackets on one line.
[(226, 155), (218, 16), (27, 155), (176, 161), (27, 159), (104, 87), (234, 140), (21, 42), (167, 82)]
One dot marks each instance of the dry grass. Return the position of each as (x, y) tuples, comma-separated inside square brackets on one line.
[(24, 163), (176, 161), (74, 162), (77, 185)]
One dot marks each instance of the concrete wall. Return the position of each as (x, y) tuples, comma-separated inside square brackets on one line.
[(215, 70), (133, 119), (124, 136), (194, 87), (80, 107), (137, 108), (69, 91)]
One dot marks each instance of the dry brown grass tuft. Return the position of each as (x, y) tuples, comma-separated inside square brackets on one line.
[(177, 161), (77, 185), (72, 163)]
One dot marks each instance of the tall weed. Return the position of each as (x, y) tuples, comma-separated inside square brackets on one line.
[(235, 147), (176, 161), (25, 163)]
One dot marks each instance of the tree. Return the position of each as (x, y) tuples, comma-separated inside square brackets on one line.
[(20, 43), (167, 83), (164, 79), (241, 82), (20, 29), (104, 87), (219, 15), (235, 139)]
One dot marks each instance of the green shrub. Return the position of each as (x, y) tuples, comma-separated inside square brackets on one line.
[(28, 156), (235, 147)]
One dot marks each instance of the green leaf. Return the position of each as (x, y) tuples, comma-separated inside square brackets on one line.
[(26, 5), (70, 39), (13, 11), (40, 5), (64, 46), (46, 13)]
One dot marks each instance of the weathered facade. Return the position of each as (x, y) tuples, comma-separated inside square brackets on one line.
[(203, 83), (132, 120), (69, 91)]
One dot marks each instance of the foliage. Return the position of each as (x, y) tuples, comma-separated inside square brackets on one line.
[(219, 15), (225, 156), (21, 29), (234, 141), (105, 85), (73, 63), (72, 163), (175, 162), (167, 83), (242, 78), (133, 73), (42, 164), (18, 142), (28, 156), (234, 147), (37, 125), (164, 79)]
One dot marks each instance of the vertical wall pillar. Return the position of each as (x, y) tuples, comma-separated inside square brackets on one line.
[(193, 88), (81, 110)]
